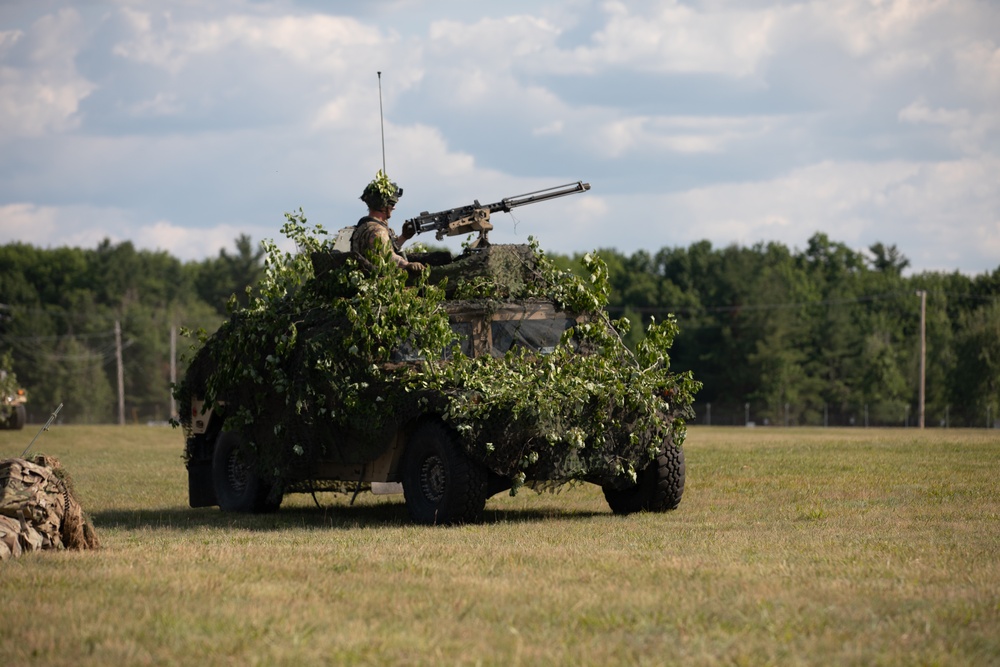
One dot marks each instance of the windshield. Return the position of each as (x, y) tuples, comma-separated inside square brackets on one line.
[(536, 335), (481, 328)]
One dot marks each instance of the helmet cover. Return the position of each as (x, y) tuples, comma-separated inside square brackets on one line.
[(381, 193)]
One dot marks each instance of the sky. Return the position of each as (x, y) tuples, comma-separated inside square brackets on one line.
[(182, 125)]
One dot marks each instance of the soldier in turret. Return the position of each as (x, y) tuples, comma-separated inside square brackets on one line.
[(373, 232)]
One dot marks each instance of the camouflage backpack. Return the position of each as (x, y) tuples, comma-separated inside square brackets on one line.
[(38, 509)]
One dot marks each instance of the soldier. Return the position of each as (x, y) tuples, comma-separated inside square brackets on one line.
[(372, 231)]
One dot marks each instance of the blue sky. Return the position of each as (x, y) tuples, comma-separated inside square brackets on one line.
[(181, 125)]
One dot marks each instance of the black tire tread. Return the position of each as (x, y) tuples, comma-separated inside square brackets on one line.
[(256, 498), (465, 494), (659, 487), (18, 417), (669, 485)]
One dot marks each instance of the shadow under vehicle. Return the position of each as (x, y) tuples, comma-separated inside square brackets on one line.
[(327, 389)]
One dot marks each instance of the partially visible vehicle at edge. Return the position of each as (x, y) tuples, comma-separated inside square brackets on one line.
[(13, 414)]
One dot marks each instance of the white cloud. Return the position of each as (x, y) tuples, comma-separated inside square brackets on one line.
[(45, 95), (28, 223), (555, 127), (969, 132), (672, 36), (866, 119), (935, 212), (188, 243), (58, 226), (919, 112), (83, 226), (8, 38), (316, 41), (502, 39), (675, 134), (161, 104), (978, 68)]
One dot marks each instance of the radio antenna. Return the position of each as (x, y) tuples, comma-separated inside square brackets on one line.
[(380, 121)]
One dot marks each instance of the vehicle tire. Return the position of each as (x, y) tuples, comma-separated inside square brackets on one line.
[(18, 418), (441, 484), (238, 487), (659, 486)]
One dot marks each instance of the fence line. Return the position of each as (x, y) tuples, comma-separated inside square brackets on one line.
[(861, 416)]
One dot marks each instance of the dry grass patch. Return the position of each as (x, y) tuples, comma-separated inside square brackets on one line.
[(790, 547)]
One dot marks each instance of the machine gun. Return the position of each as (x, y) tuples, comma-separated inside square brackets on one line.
[(476, 217)]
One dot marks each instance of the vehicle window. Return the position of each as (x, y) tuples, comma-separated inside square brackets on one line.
[(463, 335), (536, 335)]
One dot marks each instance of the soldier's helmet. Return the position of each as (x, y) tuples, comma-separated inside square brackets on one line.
[(381, 193)]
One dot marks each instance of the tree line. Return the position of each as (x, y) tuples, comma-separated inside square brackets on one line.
[(822, 335), (59, 309), (826, 334)]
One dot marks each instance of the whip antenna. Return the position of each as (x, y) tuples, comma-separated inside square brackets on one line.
[(380, 121), (52, 418)]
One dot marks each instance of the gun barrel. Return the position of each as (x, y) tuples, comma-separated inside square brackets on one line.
[(508, 203), (458, 220)]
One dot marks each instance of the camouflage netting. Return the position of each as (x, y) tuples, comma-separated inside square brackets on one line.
[(39, 510), (566, 415), (346, 420), (502, 272), (292, 406), (317, 372), (332, 357)]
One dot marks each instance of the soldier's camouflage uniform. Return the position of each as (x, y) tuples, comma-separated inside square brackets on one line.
[(371, 233), (38, 509)]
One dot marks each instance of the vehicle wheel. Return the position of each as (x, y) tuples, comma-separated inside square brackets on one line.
[(659, 488), (441, 484), (18, 418), (238, 487)]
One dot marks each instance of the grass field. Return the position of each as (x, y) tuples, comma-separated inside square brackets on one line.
[(791, 547)]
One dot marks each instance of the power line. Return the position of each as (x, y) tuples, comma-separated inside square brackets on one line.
[(35, 339), (868, 298), (27, 347), (971, 297), (106, 354), (645, 310)]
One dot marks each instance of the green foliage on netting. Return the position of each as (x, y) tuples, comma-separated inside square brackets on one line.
[(328, 366)]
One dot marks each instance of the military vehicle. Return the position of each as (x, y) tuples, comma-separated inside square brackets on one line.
[(491, 371), (13, 414)]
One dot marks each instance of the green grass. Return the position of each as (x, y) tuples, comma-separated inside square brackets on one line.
[(791, 546)]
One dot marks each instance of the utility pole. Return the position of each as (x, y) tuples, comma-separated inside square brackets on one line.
[(923, 354), (173, 371), (121, 373)]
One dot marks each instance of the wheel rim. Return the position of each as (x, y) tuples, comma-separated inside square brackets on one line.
[(432, 478), (237, 474)]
